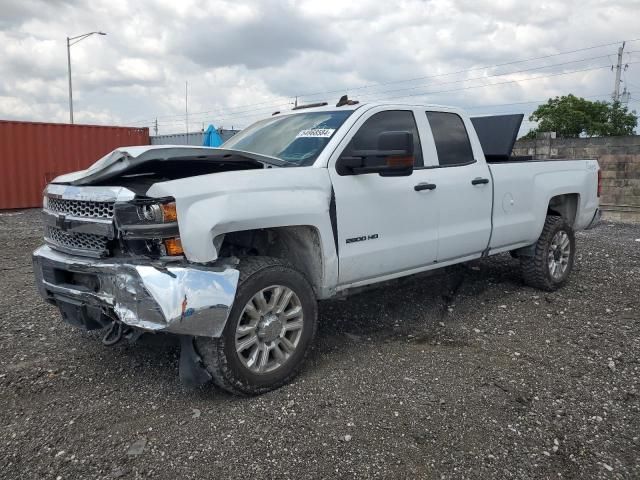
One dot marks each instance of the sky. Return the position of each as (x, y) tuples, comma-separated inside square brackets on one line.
[(242, 60)]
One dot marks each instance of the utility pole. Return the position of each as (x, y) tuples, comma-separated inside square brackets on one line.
[(155, 126), (72, 41), (186, 105), (616, 88), (70, 88)]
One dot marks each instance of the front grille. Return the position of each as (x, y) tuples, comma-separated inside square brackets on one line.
[(81, 208), (87, 243)]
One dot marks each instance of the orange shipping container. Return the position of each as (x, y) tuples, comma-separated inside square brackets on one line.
[(32, 154)]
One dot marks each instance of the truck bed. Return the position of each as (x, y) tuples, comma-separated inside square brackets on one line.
[(522, 187)]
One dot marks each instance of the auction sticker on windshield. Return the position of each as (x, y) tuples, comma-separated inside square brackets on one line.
[(316, 132)]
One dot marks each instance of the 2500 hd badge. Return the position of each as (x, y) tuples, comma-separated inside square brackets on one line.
[(362, 238)]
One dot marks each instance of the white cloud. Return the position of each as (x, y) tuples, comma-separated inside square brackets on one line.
[(245, 59)]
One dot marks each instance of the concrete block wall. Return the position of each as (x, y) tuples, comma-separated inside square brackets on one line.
[(619, 159)]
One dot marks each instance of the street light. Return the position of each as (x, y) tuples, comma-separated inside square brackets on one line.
[(73, 41)]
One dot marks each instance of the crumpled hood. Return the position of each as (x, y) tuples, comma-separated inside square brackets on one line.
[(124, 158)]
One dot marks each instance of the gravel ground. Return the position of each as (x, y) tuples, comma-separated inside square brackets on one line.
[(468, 374)]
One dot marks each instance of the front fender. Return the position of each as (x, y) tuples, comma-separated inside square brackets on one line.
[(211, 205)]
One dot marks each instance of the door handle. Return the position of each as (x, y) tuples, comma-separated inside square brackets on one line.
[(479, 181), (424, 186)]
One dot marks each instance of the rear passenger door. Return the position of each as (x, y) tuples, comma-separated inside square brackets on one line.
[(464, 190)]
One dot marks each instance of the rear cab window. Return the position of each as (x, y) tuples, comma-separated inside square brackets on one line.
[(451, 139)]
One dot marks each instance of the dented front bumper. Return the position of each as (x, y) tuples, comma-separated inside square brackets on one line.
[(152, 296)]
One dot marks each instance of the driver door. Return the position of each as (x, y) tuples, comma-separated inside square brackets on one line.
[(385, 225)]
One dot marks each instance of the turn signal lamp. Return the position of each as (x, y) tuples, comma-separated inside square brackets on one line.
[(169, 213), (173, 246)]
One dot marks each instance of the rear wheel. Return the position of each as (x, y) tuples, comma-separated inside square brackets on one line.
[(269, 330), (552, 261)]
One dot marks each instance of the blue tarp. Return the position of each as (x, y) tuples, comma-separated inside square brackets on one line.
[(211, 137)]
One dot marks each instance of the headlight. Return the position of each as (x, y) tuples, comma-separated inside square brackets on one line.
[(149, 227), (158, 212), (150, 213), (146, 212)]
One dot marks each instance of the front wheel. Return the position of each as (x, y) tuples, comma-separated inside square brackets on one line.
[(552, 261), (269, 330)]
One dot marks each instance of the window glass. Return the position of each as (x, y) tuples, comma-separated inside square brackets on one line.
[(452, 141), (297, 138), (390, 121)]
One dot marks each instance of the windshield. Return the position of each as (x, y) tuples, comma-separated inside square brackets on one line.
[(297, 138)]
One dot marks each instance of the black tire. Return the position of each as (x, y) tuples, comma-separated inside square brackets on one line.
[(219, 354), (536, 271)]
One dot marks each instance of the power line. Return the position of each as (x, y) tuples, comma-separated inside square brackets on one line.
[(451, 90), (473, 86), (501, 83), (244, 113), (494, 76), (255, 112), (401, 81), (512, 111), (271, 105), (470, 70), (528, 102)]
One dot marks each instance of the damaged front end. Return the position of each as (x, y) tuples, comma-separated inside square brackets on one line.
[(151, 296), (113, 258), (117, 255)]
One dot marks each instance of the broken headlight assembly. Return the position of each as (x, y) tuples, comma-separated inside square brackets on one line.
[(149, 227)]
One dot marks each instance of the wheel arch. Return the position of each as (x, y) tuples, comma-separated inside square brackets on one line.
[(564, 205), (300, 245)]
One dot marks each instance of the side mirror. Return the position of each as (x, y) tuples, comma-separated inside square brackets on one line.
[(393, 157)]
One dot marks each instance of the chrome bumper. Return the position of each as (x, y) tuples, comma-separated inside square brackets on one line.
[(156, 297)]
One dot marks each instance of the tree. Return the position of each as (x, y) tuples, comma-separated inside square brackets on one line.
[(620, 121), (570, 116)]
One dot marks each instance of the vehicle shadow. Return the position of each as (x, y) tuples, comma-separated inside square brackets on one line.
[(414, 308)]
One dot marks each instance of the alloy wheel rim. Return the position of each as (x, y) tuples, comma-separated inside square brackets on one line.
[(270, 329), (559, 253)]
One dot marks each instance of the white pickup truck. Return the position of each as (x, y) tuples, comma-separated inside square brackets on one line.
[(230, 248)]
